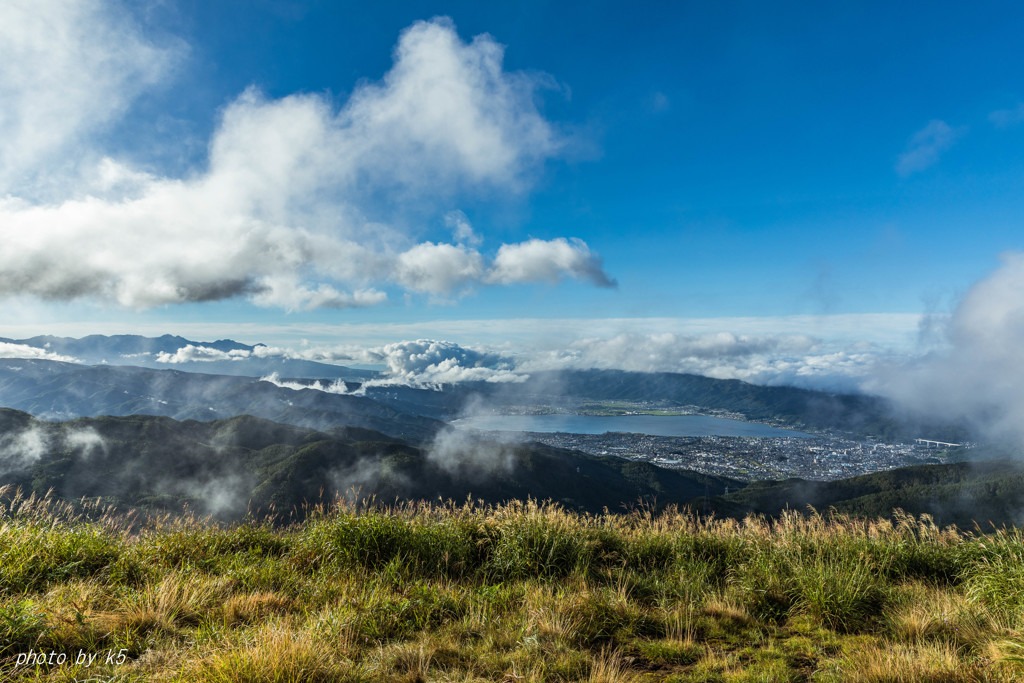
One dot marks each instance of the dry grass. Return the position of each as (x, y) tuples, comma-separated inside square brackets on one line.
[(253, 607), (179, 599), (608, 668), (930, 614), (274, 654), (927, 662), (519, 592)]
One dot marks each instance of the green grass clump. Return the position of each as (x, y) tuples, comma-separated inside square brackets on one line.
[(523, 591)]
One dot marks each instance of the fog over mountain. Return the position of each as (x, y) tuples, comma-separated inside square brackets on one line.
[(974, 370), (224, 356), (58, 391)]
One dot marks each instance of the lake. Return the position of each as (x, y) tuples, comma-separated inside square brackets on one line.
[(654, 425)]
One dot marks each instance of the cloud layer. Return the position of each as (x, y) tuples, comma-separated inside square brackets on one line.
[(796, 360), (774, 359), (278, 215), (422, 363)]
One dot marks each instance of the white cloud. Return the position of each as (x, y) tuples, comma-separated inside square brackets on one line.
[(547, 261), (286, 292), (22, 448), (450, 108), (439, 268), (277, 215), (87, 441), (796, 360), (834, 352), (431, 362), (925, 148), (70, 67), (793, 359), (419, 363), (977, 377), (335, 387), (890, 330), (190, 353), (462, 230), (423, 362), (9, 350)]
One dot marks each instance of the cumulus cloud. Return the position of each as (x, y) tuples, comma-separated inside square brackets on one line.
[(421, 363), (439, 268), (70, 67), (548, 261), (431, 362), (925, 148), (978, 375), (190, 353), (278, 213), (9, 350)]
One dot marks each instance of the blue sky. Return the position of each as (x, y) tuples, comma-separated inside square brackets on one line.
[(781, 168)]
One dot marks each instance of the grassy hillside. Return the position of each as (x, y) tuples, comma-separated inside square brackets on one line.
[(226, 467), (510, 593)]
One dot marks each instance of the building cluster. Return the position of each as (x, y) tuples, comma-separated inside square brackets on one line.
[(822, 457)]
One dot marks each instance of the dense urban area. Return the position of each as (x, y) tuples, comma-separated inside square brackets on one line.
[(821, 457), (816, 456)]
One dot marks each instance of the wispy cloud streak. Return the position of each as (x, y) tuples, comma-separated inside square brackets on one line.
[(926, 147)]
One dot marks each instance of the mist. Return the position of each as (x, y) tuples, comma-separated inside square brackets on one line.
[(467, 455), (23, 448), (975, 373)]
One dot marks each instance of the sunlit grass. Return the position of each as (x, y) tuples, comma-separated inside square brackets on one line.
[(518, 592)]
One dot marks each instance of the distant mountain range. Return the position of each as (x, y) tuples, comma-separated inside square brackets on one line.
[(224, 467), (61, 397), (55, 390), (131, 349)]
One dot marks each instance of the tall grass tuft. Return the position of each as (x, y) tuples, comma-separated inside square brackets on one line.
[(273, 655)]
